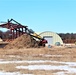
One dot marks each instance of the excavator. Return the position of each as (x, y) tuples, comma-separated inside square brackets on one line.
[(17, 27)]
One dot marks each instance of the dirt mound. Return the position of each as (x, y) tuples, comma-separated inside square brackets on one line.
[(23, 41)]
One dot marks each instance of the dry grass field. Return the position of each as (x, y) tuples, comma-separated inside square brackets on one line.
[(38, 61)]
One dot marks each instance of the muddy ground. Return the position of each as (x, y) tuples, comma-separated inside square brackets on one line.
[(39, 61)]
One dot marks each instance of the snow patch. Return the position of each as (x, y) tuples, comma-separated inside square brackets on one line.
[(47, 67), (12, 73), (48, 55)]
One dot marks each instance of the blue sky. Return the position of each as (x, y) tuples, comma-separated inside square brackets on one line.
[(41, 15)]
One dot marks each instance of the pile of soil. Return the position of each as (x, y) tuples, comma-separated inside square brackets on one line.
[(23, 41)]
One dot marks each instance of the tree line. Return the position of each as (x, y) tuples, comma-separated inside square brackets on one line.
[(5, 35), (68, 37)]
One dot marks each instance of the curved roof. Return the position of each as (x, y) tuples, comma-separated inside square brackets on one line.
[(56, 37)]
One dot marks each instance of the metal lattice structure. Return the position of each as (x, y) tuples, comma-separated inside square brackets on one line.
[(16, 28)]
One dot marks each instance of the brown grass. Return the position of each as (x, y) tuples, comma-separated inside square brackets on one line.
[(68, 55)]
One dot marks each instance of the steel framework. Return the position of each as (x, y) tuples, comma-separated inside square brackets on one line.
[(16, 28)]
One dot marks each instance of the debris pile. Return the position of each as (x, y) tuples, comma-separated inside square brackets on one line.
[(24, 41)]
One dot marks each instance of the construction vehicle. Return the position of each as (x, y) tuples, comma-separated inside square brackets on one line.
[(41, 40), (18, 29)]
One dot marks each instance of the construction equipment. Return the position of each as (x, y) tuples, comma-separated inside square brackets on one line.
[(41, 40), (18, 29)]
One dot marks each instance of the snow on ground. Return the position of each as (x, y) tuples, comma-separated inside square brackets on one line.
[(68, 67), (37, 61), (48, 55), (13, 73), (48, 67)]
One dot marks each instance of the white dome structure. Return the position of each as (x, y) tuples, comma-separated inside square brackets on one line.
[(51, 37)]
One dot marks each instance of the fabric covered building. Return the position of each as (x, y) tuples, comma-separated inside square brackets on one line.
[(51, 37)]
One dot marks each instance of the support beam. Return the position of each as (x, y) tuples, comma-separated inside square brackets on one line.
[(19, 31), (22, 30), (13, 34), (16, 33), (25, 29)]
